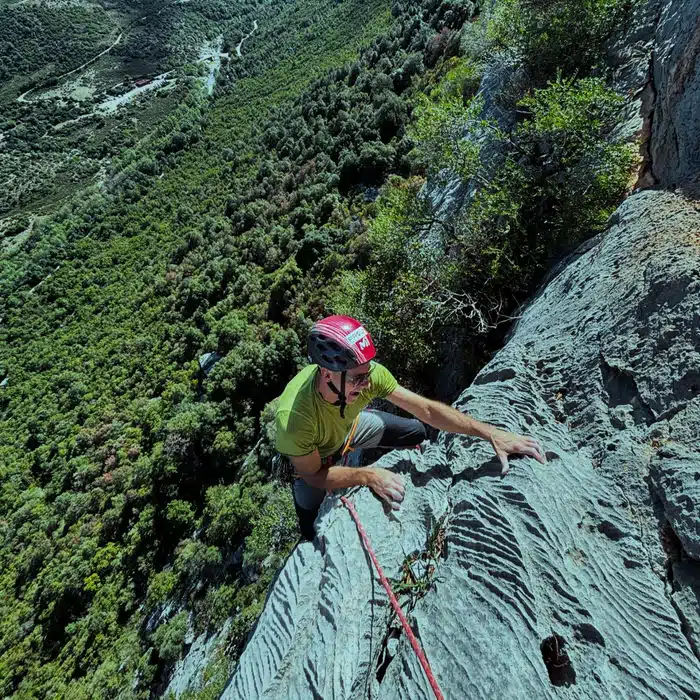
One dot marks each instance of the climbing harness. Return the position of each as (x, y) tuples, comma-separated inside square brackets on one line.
[(394, 603), (347, 449)]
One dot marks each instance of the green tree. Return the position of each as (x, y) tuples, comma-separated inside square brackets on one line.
[(169, 638), (537, 193), (557, 35)]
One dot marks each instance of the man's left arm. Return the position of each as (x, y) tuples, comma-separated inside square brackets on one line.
[(444, 417)]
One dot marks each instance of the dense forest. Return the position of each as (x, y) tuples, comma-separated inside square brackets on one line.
[(148, 323), (58, 124)]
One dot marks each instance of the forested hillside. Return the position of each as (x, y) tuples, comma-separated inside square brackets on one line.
[(136, 500), (81, 81)]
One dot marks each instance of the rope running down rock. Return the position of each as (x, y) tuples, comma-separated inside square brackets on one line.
[(394, 602)]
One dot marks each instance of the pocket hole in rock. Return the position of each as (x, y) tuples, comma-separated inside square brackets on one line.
[(557, 661)]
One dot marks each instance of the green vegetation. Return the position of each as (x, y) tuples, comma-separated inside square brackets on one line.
[(58, 128), (111, 438), (136, 506), (420, 569), (43, 40), (557, 35), (536, 191)]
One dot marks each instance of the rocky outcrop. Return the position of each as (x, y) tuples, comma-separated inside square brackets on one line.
[(676, 75), (208, 361), (655, 61), (189, 671), (676, 478), (686, 600), (448, 196), (631, 60), (555, 575)]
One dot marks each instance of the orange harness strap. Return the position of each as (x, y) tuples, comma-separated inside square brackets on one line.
[(346, 447)]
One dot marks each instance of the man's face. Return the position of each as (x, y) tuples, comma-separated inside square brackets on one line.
[(356, 380)]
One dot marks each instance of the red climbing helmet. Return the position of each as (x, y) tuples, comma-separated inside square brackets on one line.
[(340, 343)]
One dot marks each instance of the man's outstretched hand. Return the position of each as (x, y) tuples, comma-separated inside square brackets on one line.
[(505, 444), (388, 486)]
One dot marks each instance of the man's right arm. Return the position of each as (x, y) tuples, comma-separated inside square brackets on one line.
[(387, 485)]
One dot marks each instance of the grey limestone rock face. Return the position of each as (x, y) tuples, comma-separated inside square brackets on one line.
[(501, 86), (189, 671), (676, 478), (675, 141), (630, 56), (555, 580), (654, 62), (686, 600)]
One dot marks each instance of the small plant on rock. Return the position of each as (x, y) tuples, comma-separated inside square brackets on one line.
[(419, 569)]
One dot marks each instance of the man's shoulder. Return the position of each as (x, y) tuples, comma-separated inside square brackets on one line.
[(295, 415), (378, 367), (298, 394), (383, 381)]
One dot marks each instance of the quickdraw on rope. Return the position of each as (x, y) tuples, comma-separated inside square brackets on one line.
[(394, 603)]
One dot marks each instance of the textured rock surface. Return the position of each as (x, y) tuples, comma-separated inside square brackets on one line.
[(676, 477), (602, 368), (189, 671), (630, 56), (655, 62), (686, 599), (674, 151)]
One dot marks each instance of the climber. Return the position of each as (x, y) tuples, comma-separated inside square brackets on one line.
[(322, 414)]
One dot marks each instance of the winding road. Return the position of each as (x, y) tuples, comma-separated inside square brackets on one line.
[(22, 97), (240, 43)]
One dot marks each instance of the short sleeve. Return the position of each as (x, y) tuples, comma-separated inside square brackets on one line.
[(383, 381), (293, 436)]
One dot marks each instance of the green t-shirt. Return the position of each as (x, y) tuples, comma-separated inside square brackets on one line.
[(305, 421)]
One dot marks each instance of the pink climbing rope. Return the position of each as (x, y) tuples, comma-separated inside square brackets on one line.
[(395, 603)]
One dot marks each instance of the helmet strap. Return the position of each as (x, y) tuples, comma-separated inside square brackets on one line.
[(342, 402)]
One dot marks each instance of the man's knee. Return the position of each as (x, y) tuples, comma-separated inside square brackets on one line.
[(382, 429), (419, 434), (403, 432)]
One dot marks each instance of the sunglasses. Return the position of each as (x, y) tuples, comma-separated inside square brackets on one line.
[(357, 379)]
